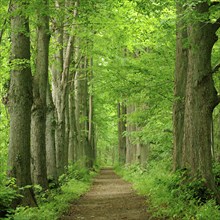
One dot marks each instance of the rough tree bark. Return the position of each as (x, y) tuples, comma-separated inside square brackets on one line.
[(39, 107), (91, 129), (81, 97), (121, 135), (78, 149), (73, 131), (50, 138), (61, 88), (200, 98), (20, 102), (180, 85), (57, 68), (131, 148)]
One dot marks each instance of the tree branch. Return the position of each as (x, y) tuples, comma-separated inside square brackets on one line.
[(216, 68)]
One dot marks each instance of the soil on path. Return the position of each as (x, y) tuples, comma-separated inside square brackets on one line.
[(110, 198)]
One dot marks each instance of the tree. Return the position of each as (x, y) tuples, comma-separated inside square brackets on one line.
[(50, 138), (39, 107), (180, 84), (64, 39), (121, 133), (20, 102), (200, 95)]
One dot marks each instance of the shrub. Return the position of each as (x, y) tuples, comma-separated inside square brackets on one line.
[(170, 195)]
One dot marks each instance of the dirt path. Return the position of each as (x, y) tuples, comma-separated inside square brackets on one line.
[(110, 198)]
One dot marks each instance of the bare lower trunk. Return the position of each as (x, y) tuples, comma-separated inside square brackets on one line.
[(57, 68), (81, 105), (73, 131), (180, 86), (121, 135), (60, 133), (91, 133), (50, 139), (131, 148), (38, 122), (200, 100), (144, 154), (67, 127), (20, 102)]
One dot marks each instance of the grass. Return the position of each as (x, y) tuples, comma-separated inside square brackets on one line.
[(53, 203), (166, 198)]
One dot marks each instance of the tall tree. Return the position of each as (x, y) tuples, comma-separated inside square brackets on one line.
[(121, 133), (131, 148), (180, 83), (81, 103), (20, 102), (50, 138), (91, 126), (58, 85), (200, 95), (39, 107)]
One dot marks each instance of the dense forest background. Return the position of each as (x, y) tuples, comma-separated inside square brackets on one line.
[(129, 84)]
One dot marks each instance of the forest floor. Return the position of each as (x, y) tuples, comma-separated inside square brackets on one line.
[(110, 198)]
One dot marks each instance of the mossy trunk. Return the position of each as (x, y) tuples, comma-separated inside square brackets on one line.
[(180, 85), (121, 133), (200, 99), (131, 148), (39, 107), (20, 102), (50, 138)]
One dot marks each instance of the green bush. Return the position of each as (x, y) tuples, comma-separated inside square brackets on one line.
[(52, 203), (169, 195), (7, 193)]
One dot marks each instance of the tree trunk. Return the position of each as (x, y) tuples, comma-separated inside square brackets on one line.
[(58, 93), (78, 150), (216, 135), (73, 132), (57, 68), (121, 135), (131, 148), (144, 149), (81, 103), (61, 94), (50, 138), (200, 100), (180, 85), (38, 122), (91, 134), (20, 102)]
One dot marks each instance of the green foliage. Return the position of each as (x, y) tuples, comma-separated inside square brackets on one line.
[(168, 195), (133, 55), (52, 203), (7, 194), (75, 171), (133, 44), (55, 204), (188, 189)]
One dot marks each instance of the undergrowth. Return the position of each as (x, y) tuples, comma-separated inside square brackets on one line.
[(53, 202), (168, 197)]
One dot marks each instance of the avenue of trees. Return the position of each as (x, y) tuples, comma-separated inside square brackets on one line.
[(100, 83)]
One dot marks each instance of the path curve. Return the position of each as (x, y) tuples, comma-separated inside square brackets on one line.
[(110, 198)]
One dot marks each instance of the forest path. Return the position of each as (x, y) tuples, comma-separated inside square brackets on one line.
[(110, 198)]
